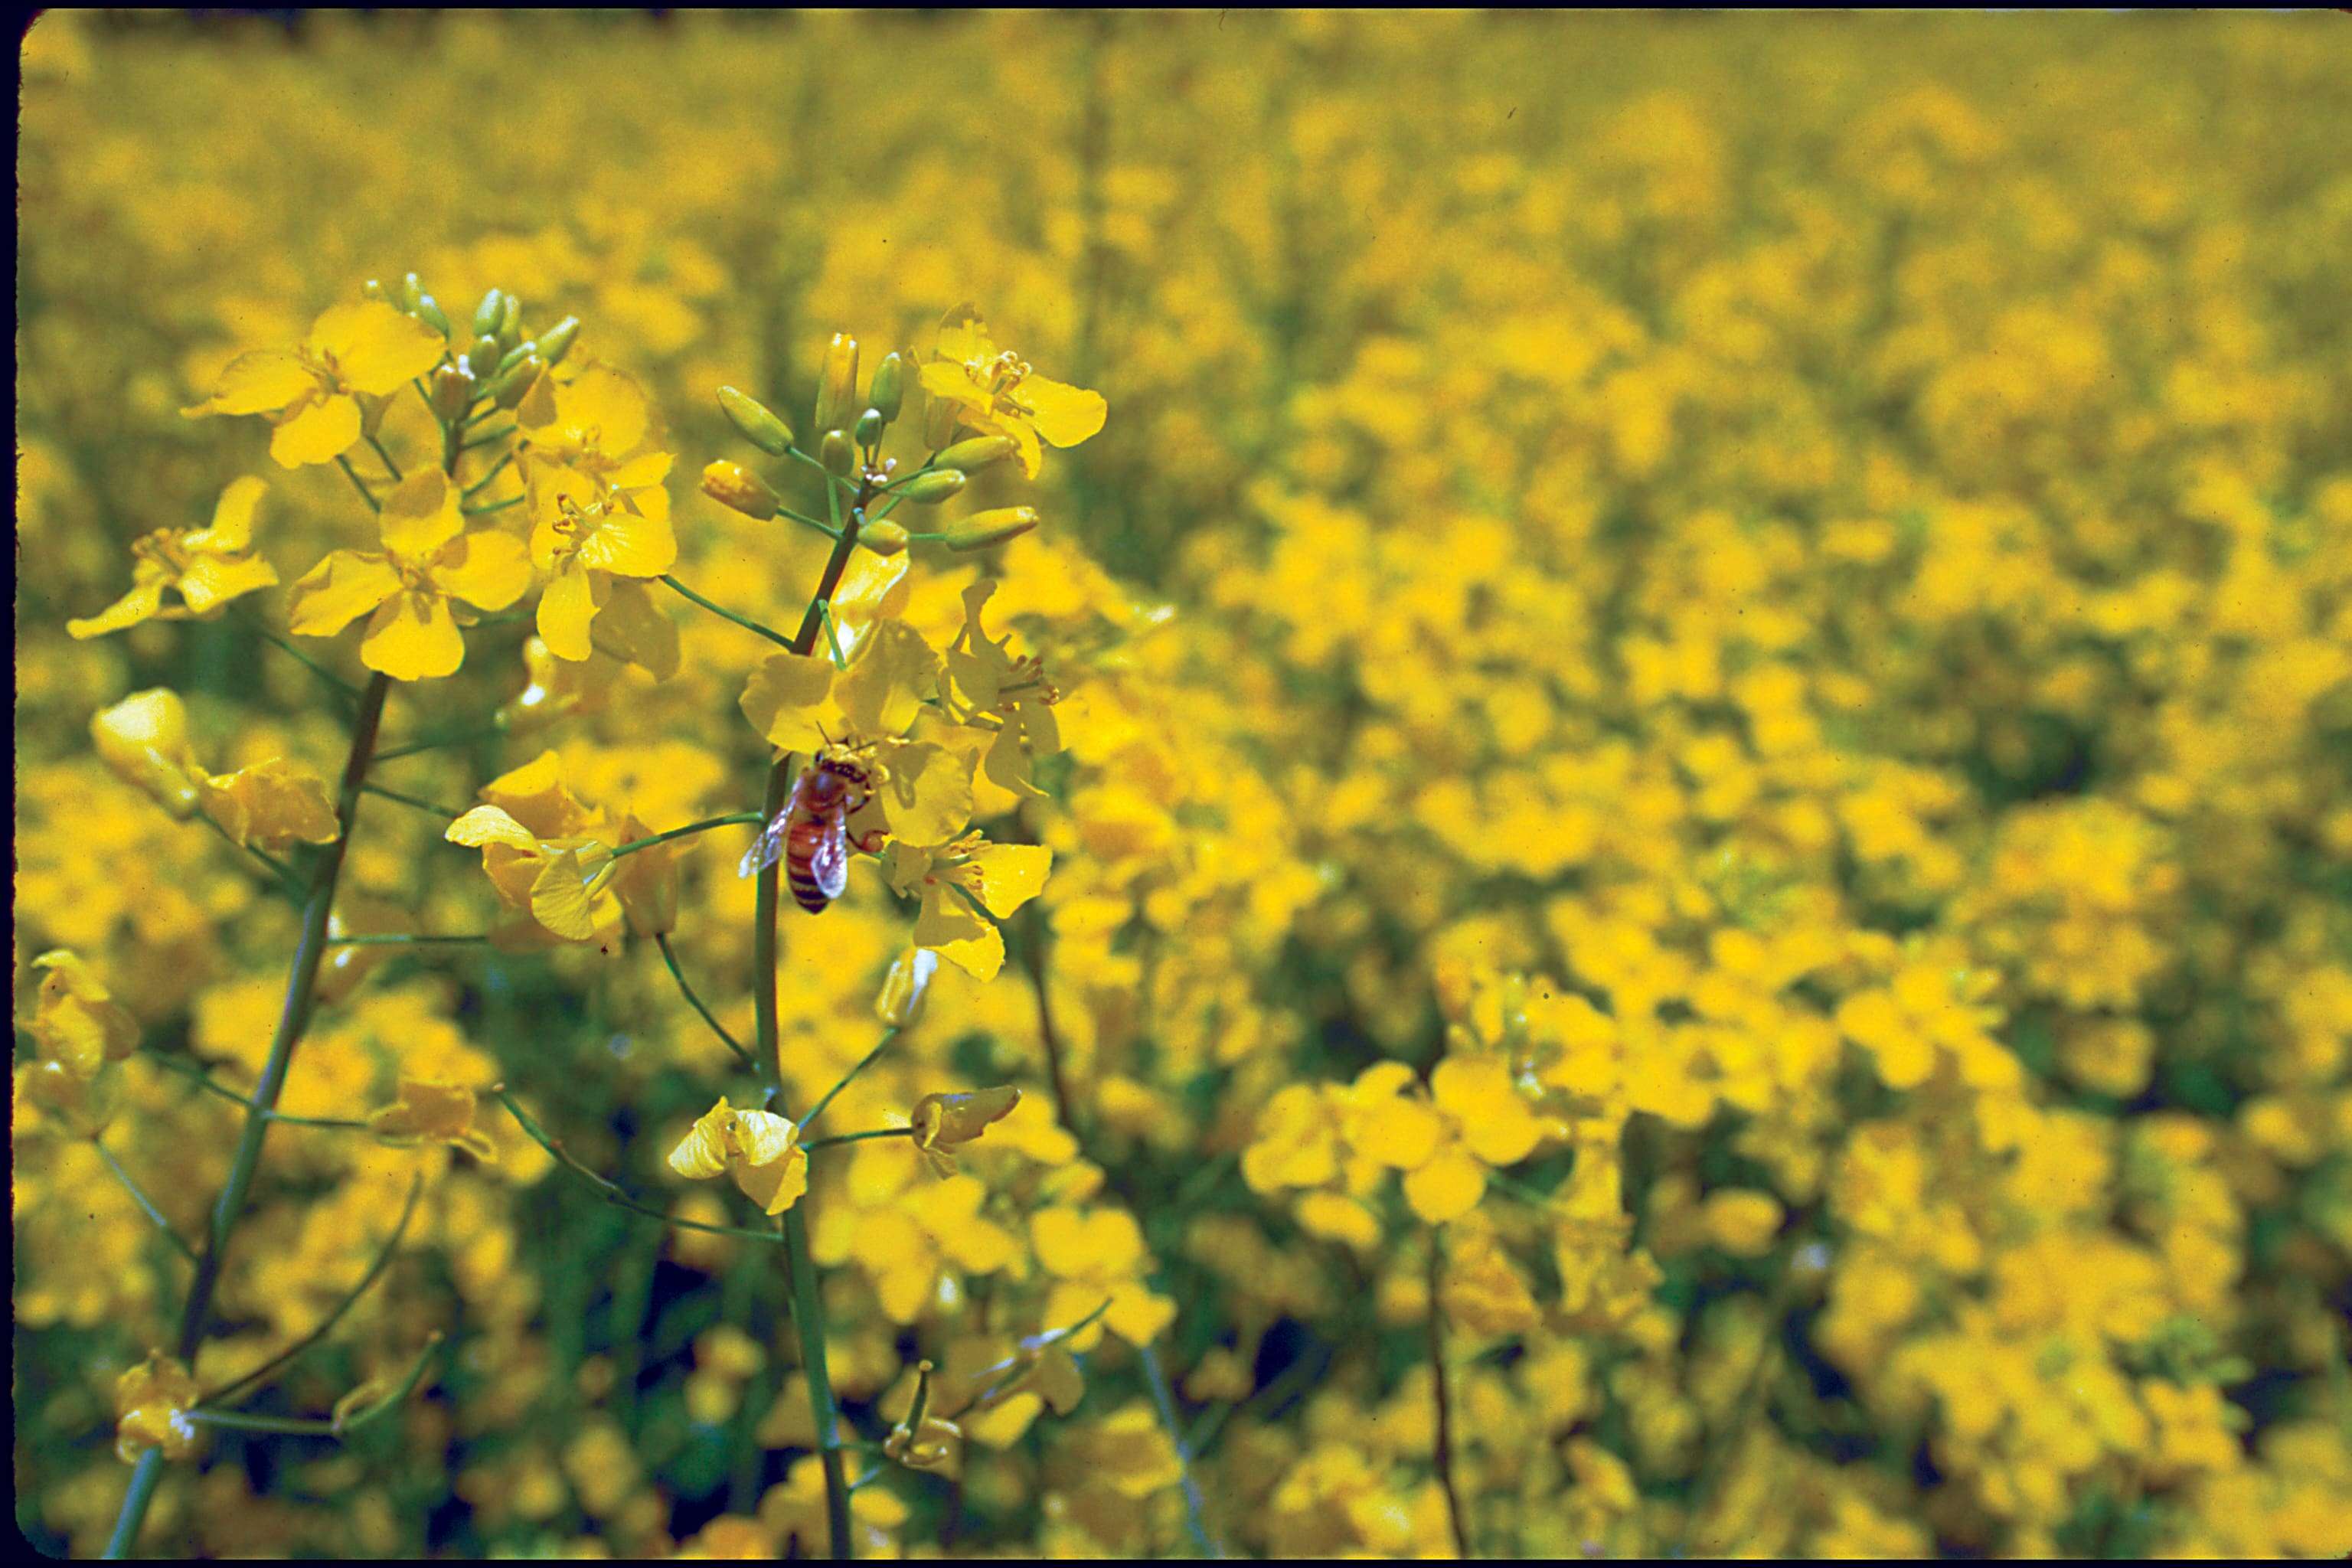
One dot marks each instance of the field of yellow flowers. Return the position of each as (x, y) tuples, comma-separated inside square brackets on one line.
[(1184, 785)]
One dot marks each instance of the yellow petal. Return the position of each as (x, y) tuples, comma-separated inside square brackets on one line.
[(781, 698), (232, 529), (489, 570), (1139, 1315), (1011, 875), (273, 803), (338, 591), (1063, 414), (1399, 1132), (882, 692), (603, 407), (979, 956), (632, 628), (775, 1187), (211, 581), (489, 825), (928, 795), (1446, 1188), (629, 543), (139, 605), (566, 608), (565, 898), (703, 1152), (963, 335), (420, 515), (1495, 1119), (319, 432), (413, 637), (376, 347), (259, 382)]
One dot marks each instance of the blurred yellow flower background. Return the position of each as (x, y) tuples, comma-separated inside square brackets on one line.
[(1631, 738)]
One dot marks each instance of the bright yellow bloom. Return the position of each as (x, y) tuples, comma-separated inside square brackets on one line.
[(941, 1121), (75, 1021), (152, 1402), (312, 393), (586, 537), (206, 567), (962, 884), (1013, 694), (545, 852), (1478, 1118), (272, 804), (427, 1112), (996, 392), (761, 1149), (428, 561)]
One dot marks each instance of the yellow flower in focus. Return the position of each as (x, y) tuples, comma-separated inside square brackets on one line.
[(996, 392), (543, 851), (943, 1121), (962, 884), (429, 1112), (152, 1402), (75, 1022), (761, 1149), (1012, 694), (923, 1441), (428, 561), (591, 541), (206, 567), (272, 804), (312, 393)]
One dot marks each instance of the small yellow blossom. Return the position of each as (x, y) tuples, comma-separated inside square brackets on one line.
[(996, 392), (75, 1021), (429, 1112), (941, 1121), (759, 1149), (206, 567), (152, 1402), (313, 393)]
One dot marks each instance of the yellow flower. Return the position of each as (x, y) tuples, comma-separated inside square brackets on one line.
[(943, 1121), (994, 391), (904, 1236), (1481, 1291), (1012, 692), (1130, 1453), (272, 804), (428, 561), (543, 852), (75, 1021), (152, 1402), (1092, 1254), (761, 1149), (923, 1441), (429, 1111), (206, 567), (1478, 1118), (589, 539), (312, 393), (962, 884)]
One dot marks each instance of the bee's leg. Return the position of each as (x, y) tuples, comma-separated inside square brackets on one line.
[(871, 841)]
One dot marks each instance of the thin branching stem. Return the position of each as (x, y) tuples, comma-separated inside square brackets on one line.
[(862, 1063), (430, 807), (389, 466), (613, 1193), (669, 957), (437, 742), (146, 1204), (359, 484), (410, 939), (725, 614), (732, 819), (206, 1082)]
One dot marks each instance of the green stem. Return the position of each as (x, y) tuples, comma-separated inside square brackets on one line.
[(359, 484), (281, 873), (202, 1080), (865, 1062), (145, 1204), (293, 1019), (375, 1270), (1443, 1456), (494, 506), (389, 466), (462, 738), (733, 819), (661, 940), (443, 812), (615, 1193), (1166, 1404), (500, 434), (409, 938), (262, 629), (494, 471), (727, 615), (858, 1137)]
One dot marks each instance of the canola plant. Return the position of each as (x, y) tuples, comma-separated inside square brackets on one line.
[(1204, 784)]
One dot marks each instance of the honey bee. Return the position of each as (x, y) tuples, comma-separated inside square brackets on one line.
[(811, 835)]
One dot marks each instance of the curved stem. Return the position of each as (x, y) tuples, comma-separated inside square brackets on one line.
[(733, 819), (1444, 1446), (727, 615), (359, 484), (613, 1193), (859, 1137), (146, 1204), (865, 1062), (433, 807), (661, 940), (293, 1019)]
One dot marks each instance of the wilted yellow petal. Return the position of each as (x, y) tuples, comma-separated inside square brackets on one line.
[(489, 825), (272, 804), (231, 532)]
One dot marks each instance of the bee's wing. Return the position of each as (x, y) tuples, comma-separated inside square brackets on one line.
[(829, 861), (767, 847)]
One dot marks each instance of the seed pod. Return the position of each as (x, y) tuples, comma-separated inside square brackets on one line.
[(976, 452), (489, 314), (452, 394), (869, 428), (836, 385), (890, 389), (511, 322), (839, 457), (994, 526), (733, 485), (756, 422), (932, 487), (883, 538), (556, 341)]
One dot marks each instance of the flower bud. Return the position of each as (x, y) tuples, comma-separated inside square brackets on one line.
[(890, 389), (839, 457), (994, 526), (144, 739), (507, 389), (412, 289), (489, 314), (429, 312), (836, 385), (755, 422), (931, 487), (905, 988), (883, 538), (869, 428), (373, 289), (556, 341), (938, 423), (84, 1104), (510, 324), (453, 393), (733, 485), (977, 453), (482, 359)]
